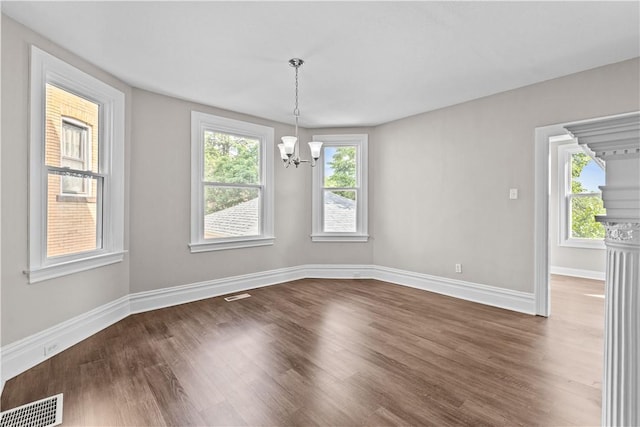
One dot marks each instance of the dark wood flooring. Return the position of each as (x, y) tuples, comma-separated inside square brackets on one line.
[(335, 352)]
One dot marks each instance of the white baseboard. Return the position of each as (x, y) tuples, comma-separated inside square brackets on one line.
[(339, 271), (576, 272), (26, 353), (21, 355), (167, 297), (523, 302)]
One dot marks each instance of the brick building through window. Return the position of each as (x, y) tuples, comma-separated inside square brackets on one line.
[(73, 215)]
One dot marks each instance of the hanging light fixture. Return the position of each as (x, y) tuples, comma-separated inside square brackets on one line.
[(289, 148)]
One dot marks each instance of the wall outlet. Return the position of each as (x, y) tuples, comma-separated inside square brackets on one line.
[(458, 268), (356, 275), (50, 348)]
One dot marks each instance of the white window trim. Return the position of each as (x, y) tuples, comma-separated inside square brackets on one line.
[(46, 68), (361, 234), (564, 185), (199, 123)]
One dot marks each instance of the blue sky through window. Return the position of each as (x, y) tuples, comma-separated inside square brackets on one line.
[(592, 177), (328, 156)]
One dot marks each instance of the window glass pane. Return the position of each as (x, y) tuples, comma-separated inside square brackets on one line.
[(72, 222), (586, 174), (339, 211), (340, 167), (231, 212), (73, 185), (231, 158), (583, 223), (71, 136)]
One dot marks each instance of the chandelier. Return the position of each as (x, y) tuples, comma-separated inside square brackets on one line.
[(289, 149)]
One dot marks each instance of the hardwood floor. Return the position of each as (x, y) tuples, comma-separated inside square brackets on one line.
[(335, 352)]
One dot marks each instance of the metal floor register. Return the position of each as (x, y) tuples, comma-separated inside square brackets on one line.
[(41, 413)]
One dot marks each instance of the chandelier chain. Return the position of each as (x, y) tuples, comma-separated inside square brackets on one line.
[(296, 111)]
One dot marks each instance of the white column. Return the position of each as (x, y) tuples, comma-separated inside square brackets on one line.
[(617, 142), (622, 326)]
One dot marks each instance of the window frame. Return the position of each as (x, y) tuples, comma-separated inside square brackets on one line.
[(361, 234), (47, 69), (565, 153), (201, 122)]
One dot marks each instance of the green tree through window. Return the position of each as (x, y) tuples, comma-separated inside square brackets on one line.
[(343, 175), (230, 159), (585, 204)]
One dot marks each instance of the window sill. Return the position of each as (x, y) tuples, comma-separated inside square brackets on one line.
[(230, 244), (353, 238), (72, 198), (48, 272), (583, 244)]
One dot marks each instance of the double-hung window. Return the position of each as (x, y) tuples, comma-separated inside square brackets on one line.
[(580, 177), (339, 212), (231, 183), (76, 184)]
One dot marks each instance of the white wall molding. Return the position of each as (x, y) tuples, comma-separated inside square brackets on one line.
[(167, 297), (523, 302), (339, 271), (576, 272), (21, 355)]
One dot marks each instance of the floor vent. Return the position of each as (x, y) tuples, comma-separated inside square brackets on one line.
[(236, 297), (41, 413)]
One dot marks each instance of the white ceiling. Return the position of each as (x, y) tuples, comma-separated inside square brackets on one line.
[(366, 62)]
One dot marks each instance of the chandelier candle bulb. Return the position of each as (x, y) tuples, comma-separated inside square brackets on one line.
[(315, 147), (289, 144), (283, 153)]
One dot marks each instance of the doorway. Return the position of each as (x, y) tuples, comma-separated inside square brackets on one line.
[(545, 138)]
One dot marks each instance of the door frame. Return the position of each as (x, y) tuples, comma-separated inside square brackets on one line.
[(543, 137)]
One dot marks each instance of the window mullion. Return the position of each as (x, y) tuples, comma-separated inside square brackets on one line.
[(231, 184), (585, 194), (69, 171)]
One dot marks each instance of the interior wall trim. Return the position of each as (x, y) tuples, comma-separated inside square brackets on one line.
[(167, 297), (26, 353), (577, 272), (523, 302)]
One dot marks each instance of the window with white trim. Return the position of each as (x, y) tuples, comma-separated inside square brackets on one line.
[(231, 183), (580, 176), (76, 186), (339, 211)]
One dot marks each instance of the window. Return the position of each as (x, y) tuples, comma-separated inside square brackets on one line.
[(75, 151), (231, 183), (340, 189), (580, 198), (76, 190)]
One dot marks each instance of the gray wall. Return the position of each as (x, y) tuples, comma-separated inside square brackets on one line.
[(160, 203), (563, 256), (27, 309), (442, 177)]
